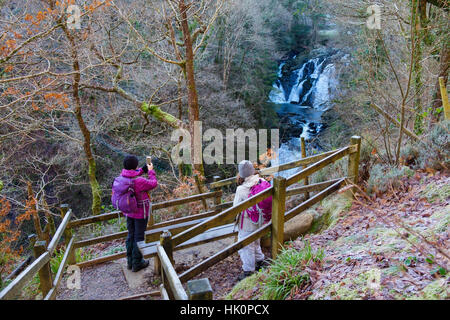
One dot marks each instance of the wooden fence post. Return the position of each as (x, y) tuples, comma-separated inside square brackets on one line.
[(151, 218), (278, 210), (353, 163), (45, 274), (166, 243), (218, 199), (68, 234), (200, 191), (444, 97), (302, 139), (165, 240), (199, 289)]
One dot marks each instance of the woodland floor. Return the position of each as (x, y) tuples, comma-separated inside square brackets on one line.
[(389, 247), (399, 239)]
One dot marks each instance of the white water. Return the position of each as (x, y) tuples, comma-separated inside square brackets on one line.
[(324, 85), (293, 101)]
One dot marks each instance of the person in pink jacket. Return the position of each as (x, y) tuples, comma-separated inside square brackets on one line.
[(137, 221)]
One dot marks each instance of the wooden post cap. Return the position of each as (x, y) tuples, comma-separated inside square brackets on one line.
[(199, 289), (166, 234)]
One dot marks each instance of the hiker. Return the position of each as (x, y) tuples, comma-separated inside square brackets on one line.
[(130, 195), (248, 179)]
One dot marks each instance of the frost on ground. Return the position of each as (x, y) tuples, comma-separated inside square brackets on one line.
[(394, 246)]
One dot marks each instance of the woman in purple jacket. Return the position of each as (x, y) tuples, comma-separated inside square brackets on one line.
[(137, 221)]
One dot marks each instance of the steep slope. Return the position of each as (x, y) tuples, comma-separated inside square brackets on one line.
[(394, 246)]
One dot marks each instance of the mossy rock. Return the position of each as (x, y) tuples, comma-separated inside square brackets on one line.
[(328, 214)]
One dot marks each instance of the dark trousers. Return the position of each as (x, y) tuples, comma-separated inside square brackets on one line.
[(136, 229)]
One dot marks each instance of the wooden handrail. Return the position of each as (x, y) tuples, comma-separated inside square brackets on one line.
[(169, 272), (287, 166), (182, 219), (196, 270), (233, 211), (155, 206), (196, 197), (152, 233), (12, 290), (59, 232), (314, 199), (310, 187), (205, 264), (318, 165), (188, 244), (52, 293), (222, 217), (41, 261)]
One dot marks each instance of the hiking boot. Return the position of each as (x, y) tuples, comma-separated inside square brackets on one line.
[(137, 261), (142, 265), (244, 275), (262, 264)]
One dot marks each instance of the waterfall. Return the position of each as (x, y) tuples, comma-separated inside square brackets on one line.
[(324, 85), (300, 97), (297, 88), (302, 90)]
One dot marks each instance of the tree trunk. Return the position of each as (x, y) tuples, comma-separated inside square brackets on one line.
[(95, 187), (190, 81), (417, 37), (443, 72)]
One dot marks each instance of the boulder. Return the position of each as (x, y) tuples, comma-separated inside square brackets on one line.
[(294, 228)]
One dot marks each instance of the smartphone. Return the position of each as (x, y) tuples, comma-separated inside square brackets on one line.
[(149, 160)]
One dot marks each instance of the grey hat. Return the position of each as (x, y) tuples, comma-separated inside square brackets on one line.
[(246, 169)]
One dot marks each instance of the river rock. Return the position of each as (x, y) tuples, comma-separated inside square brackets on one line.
[(294, 228)]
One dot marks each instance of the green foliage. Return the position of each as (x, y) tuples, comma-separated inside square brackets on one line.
[(108, 208), (435, 192), (433, 151), (383, 177), (56, 260), (83, 254), (113, 250), (287, 271), (121, 223)]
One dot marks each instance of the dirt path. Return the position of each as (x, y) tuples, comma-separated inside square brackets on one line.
[(110, 281)]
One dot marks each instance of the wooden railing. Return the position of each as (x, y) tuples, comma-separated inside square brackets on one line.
[(279, 191), (153, 230), (171, 287), (41, 264), (185, 229)]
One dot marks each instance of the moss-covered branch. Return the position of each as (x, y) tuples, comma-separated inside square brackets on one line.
[(156, 112)]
